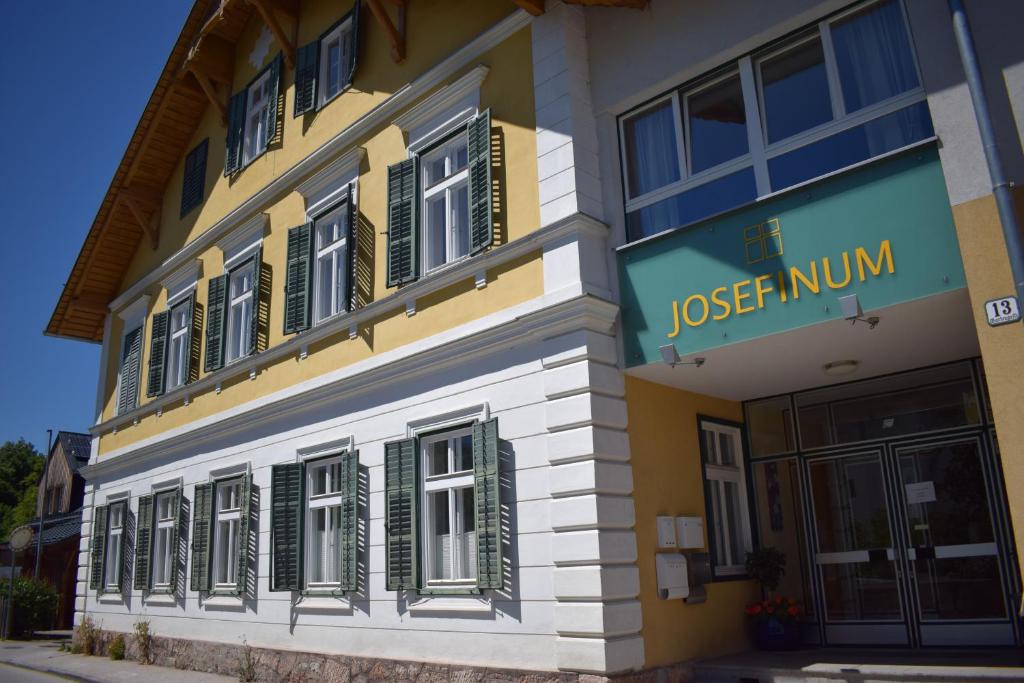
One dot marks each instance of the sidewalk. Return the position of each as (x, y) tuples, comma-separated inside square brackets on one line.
[(43, 655)]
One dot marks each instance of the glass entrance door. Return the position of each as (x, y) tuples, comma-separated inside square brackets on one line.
[(855, 556), (951, 546)]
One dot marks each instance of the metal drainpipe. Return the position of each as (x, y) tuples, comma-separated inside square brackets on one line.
[(1001, 187)]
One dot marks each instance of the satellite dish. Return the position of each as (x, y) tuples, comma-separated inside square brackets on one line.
[(21, 537)]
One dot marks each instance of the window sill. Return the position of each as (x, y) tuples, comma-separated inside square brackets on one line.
[(223, 601), (110, 598), (161, 599), (450, 602), (323, 602)]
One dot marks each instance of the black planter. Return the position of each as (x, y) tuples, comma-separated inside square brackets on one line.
[(773, 634)]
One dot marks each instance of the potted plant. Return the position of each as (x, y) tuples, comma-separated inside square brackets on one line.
[(774, 620)]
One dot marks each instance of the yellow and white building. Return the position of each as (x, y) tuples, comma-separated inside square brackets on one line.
[(401, 305)]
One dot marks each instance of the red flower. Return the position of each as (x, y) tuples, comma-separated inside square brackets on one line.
[(793, 610), (753, 609), (778, 599), (770, 609)]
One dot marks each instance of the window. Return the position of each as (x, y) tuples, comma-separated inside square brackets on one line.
[(193, 184), (113, 559), (843, 92), (324, 524), (443, 511), (725, 491), (252, 118), (164, 551), (53, 499), (177, 357), (226, 537), (331, 271), (128, 370), (439, 203), (335, 58), (314, 520), (240, 311), (325, 67), (448, 524), (257, 118), (445, 173)]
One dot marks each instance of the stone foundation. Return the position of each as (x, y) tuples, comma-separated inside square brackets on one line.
[(283, 666)]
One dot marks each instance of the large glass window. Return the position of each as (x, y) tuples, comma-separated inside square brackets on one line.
[(842, 92), (240, 311), (225, 533), (163, 550), (331, 273), (445, 177), (323, 525), (177, 352), (726, 497), (112, 561), (449, 511)]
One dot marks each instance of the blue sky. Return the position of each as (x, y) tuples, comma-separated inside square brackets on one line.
[(78, 75)]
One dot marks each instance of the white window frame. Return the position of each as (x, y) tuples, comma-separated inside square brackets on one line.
[(336, 250), (236, 344), (257, 118), (226, 543), (314, 502), (166, 525), (342, 34), (717, 475), (760, 152), (176, 363), (113, 560), (453, 482), (451, 183)]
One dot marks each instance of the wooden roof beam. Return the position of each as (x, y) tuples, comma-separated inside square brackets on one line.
[(213, 56), (534, 7), (92, 302), (396, 36), (285, 39), (151, 225), (218, 101)]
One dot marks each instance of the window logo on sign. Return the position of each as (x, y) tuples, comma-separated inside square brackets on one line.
[(763, 241)]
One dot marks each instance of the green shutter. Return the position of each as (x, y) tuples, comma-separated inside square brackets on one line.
[(193, 180), (353, 248), (236, 131), (298, 283), (307, 68), (401, 514), (353, 53), (349, 521), (99, 547), (286, 514), (201, 537), (478, 148), (143, 543), (487, 497), (275, 86), (132, 360), (256, 318), (192, 336), (242, 574), (403, 223), (158, 353), (124, 546), (216, 320), (174, 540)]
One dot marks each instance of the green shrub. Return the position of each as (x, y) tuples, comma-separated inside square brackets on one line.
[(144, 641), (35, 605), (116, 648), (87, 637)]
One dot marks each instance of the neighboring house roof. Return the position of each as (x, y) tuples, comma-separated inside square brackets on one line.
[(76, 446), (56, 529)]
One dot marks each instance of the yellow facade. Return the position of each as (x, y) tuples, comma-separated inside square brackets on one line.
[(435, 30), (987, 268), (667, 480)]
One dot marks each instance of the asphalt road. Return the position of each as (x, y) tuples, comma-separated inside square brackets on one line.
[(14, 674)]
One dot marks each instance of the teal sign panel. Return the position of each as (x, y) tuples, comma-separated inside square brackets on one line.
[(883, 232)]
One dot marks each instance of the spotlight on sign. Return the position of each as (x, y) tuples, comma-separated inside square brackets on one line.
[(670, 356), (850, 306)]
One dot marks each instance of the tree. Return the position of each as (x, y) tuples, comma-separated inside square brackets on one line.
[(21, 466)]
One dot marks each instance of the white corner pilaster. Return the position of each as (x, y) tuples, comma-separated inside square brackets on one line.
[(596, 582), (567, 152)]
